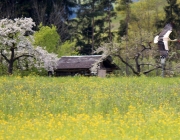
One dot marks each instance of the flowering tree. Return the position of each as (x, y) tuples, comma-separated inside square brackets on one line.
[(16, 44), (44, 59)]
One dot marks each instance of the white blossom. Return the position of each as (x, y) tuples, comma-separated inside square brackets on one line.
[(14, 35), (45, 59)]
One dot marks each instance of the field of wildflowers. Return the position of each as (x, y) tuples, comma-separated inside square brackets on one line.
[(70, 108)]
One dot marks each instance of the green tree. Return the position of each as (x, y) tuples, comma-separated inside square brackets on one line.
[(124, 5), (67, 48), (106, 33), (172, 12), (93, 16), (47, 37), (86, 26)]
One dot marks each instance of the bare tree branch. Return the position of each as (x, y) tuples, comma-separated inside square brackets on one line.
[(4, 56), (146, 72), (24, 55), (127, 64)]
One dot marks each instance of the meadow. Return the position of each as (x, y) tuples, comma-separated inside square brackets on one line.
[(89, 108)]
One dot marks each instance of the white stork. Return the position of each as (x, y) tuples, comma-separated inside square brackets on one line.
[(162, 41), (163, 38)]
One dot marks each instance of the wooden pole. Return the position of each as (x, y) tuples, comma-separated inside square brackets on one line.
[(163, 61)]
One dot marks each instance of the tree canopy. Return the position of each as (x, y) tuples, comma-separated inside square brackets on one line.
[(47, 37), (16, 44)]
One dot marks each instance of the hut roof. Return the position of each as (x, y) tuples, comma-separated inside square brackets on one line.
[(77, 62)]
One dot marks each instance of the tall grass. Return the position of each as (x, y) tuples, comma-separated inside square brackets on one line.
[(89, 108)]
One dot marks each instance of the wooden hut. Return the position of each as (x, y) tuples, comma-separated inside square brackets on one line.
[(82, 65)]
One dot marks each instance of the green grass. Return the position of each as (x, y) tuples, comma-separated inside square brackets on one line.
[(89, 108)]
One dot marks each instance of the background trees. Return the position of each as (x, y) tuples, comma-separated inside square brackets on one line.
[(131, 25), (87, 28), (171, 14), (15, 8), (109, 15), (47, 12), (94, 24)]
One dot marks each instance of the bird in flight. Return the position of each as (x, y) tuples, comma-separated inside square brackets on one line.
[(163, 38)]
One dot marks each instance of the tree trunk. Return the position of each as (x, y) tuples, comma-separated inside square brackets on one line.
[(109, 20), (93, 35), (10, 68), (127, 37), (11, 61)]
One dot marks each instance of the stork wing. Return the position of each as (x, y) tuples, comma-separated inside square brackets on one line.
[(166, 39), (164, 35), (156, 39), (166, 45), (165, 31)]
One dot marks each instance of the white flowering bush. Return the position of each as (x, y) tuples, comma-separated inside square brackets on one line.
[(44, 59), (16, 45)]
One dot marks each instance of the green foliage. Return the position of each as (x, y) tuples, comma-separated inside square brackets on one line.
[(30, 72), (94, 26), (3, 69), (123, 5), (171, 11), (67, 49), (123, 28), (47, 37)]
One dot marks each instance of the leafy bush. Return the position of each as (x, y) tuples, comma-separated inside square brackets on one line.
[(47, 37)]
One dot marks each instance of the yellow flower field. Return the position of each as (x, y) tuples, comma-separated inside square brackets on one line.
[(89, 108)]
